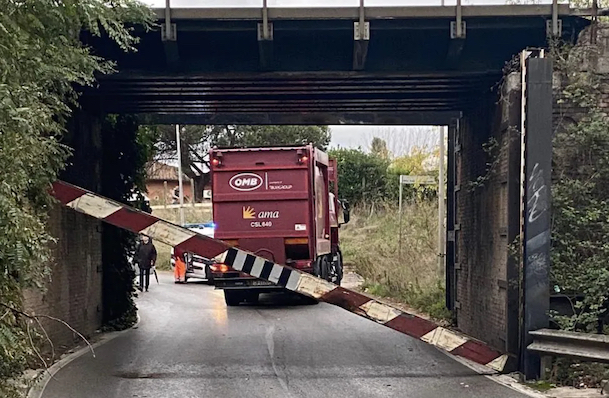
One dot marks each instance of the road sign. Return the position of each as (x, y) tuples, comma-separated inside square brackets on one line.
[(419, 180), (137, 221)]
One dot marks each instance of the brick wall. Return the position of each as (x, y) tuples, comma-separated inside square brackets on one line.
[(482, 213), (156, 190), (74, 290)]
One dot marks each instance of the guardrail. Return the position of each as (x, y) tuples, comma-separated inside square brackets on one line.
[(560, 343)]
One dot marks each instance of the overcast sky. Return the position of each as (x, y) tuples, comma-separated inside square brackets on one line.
[(400, 139)]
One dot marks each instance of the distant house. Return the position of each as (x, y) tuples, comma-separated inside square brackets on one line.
[(162, 179)]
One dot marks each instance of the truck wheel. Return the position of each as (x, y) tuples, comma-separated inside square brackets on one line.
[(232, 299), (208, 275), (317, 267), (325, 268), (338, 267)]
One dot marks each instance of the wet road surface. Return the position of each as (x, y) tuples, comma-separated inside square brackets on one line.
[(190, 345)]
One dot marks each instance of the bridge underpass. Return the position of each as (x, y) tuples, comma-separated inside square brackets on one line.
[(410, 65), (313, 68)]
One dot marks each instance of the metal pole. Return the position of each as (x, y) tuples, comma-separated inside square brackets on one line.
[(400, 222), (441, 215), (180, 184), (364, 190), (192, 192), (165, 194)]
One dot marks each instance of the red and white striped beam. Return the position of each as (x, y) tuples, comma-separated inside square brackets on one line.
[(297, 281)]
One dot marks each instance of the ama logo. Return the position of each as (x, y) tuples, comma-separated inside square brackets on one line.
[(245, 182), (248, 212)]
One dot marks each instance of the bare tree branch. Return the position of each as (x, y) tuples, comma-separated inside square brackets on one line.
[(46, 336), (38, 317), (34, 348)]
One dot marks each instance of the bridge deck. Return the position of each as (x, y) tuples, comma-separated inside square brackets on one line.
[(217, 70), (371, 13)]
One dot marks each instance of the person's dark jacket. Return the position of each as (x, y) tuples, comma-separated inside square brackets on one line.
[(146, 255)]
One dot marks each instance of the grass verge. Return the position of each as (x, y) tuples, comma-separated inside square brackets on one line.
[(370, 242)]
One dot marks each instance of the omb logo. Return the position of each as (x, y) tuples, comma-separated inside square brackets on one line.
[(245, 182)]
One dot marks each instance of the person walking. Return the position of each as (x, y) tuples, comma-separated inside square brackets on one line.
[(146, 258), (175, 195)]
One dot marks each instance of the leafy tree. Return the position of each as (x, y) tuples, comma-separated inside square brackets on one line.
[(252, 136), (361, 176), (378, 147), (197, 140), (420, 161), (580, 224), (125, 154), (41, 62), (416, 163)]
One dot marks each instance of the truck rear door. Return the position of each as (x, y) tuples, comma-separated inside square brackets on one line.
[(261, 198)]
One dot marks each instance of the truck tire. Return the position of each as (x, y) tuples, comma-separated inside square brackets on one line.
[(339, 268), (231, 298), (209, 275), (324, 265), (317, 267)]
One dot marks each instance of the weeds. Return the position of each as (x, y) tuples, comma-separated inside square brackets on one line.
[(370, 243), (163, 258), (569, 372)]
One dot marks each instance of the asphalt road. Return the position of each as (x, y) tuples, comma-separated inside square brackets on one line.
[(189, 344)]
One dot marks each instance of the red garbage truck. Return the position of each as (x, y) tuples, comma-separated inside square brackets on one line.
[(279, 203)]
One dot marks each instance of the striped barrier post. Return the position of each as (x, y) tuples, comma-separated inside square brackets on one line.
[(297, 281)]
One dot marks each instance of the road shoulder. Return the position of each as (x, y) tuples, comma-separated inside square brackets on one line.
[(43, 376)]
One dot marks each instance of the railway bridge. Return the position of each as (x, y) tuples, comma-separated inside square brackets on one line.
[(458, 66)]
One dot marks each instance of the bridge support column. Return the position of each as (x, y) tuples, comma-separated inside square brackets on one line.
[(536, 178), (84, 136), (487, 158), (74, 291), (501, 223)]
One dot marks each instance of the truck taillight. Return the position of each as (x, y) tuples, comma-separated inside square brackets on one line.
[(302, 157), (216, 159), (220, 268)]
